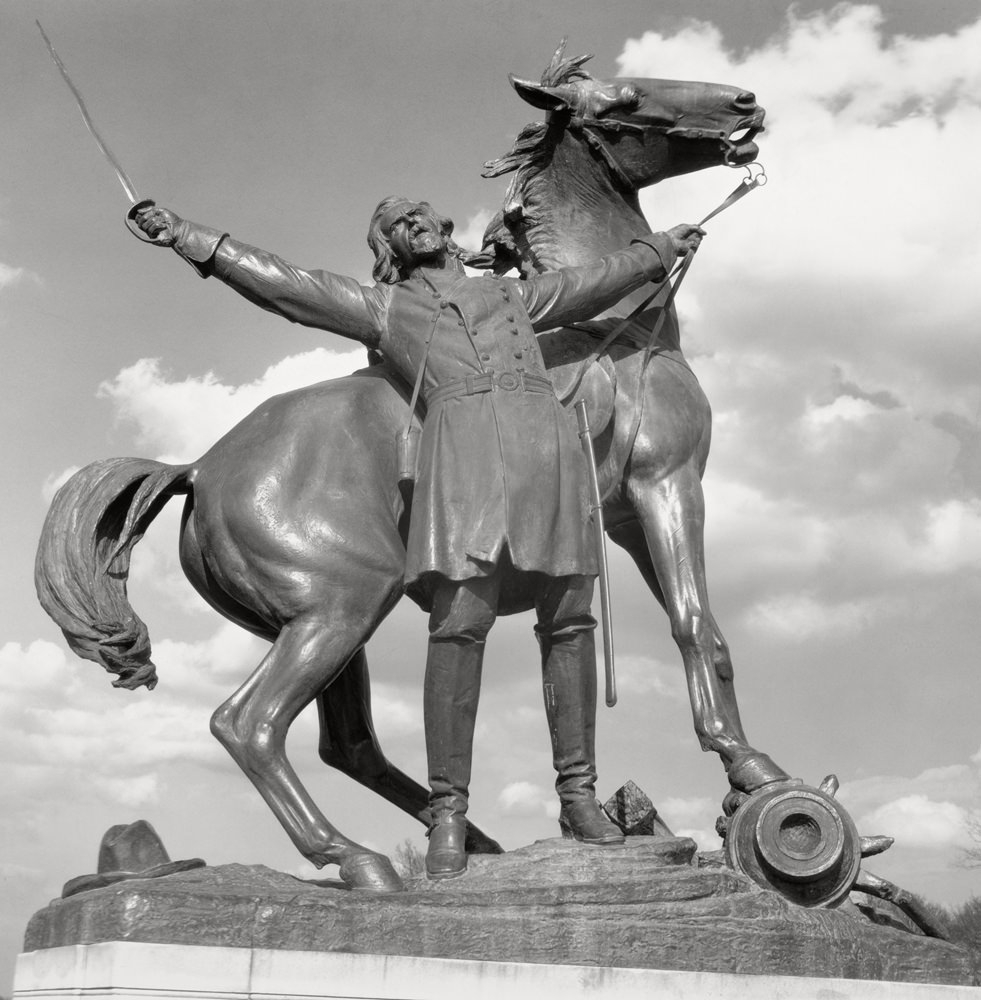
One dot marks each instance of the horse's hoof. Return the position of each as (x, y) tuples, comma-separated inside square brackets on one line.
[(754, 770), (373, 872)]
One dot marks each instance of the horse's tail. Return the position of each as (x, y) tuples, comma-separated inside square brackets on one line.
[(83, 560)]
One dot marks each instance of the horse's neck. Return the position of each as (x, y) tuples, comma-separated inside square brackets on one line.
[(574, 214)]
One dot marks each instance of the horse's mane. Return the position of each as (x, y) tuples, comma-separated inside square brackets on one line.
[(530, 154), (529, 146)]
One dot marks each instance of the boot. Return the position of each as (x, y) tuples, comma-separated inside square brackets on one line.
[(452, 690), (569, 685)]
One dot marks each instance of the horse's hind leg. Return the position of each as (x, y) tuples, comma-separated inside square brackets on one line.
[(253, 724), (348, 742), (672, 513)]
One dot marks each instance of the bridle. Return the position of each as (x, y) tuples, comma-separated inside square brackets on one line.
[(592, 128)]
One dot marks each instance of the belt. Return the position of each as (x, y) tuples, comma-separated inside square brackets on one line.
[(473, 385)]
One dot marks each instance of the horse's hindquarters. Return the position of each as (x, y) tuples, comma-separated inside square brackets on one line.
[(297, 507)]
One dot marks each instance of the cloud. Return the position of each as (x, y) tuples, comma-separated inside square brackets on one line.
[(178, 420), (63, 728), (802, 617), (55, 481), (471, 235), (829, 317), (919, 822), (643, 677), (522, 798), (928, 815), (692, 817), (9, 275)]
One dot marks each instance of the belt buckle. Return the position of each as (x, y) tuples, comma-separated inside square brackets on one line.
[(508, 381)]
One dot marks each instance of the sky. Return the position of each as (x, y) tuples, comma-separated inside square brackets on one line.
[(831, 319)]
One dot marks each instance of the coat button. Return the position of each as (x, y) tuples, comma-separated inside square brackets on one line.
[(485, 357), (443, 304), (517, 354), (460, 322)]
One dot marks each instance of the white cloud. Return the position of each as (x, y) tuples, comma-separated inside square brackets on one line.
[(927, 810), (522, 798), (12, 275), (55, 481), (178, 420), (471, 235), (132, 792), (688, 811), (396, 715), (801, 617), (63, 728), (40, 665), (919, 822), (692, 817), (831, 319), (643, 676)]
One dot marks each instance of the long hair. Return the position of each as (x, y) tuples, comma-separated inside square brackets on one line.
[(388, 269)]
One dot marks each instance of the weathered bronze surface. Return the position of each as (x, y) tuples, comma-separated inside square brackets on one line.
[(316, 563), (129, 851), (639, 905)]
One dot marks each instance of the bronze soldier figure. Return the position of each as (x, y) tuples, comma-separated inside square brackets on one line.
[(499, 521)]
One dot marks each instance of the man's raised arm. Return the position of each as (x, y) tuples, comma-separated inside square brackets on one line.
[(318, 299), (574, 294)]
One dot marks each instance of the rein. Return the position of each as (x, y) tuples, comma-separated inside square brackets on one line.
[(750, 182)]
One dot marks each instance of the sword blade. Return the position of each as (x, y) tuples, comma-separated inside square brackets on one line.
[(99, 141)]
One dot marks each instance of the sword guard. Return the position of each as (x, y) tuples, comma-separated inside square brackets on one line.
[(131, 221)]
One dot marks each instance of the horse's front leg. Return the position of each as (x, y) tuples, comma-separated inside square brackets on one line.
[(252, 725), (671, 511)]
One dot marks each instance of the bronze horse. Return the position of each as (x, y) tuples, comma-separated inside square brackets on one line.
[(293, 523)]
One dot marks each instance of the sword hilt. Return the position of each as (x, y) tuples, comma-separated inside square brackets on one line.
[(131, 221)]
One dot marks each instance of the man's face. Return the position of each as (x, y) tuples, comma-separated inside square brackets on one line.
[(414, 233)]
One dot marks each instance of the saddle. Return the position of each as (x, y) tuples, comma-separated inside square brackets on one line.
[(576, 375)]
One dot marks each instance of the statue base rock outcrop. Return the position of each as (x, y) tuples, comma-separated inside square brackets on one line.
[(647, 904)]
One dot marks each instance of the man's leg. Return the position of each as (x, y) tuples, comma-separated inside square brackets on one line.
[(565, 632), (462, 614)]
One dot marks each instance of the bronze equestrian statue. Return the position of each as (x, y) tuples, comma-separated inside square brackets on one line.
[(499, 512), (313, 562)]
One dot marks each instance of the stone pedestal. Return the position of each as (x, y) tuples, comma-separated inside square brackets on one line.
[(545, 916), (122, 970)]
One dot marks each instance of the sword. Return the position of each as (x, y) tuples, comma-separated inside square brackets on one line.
[(599, 530), (138, 203)]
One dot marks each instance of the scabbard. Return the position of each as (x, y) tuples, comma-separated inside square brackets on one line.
[(599, 532)]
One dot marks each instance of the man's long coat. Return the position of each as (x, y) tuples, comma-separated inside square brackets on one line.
[(501, 472)]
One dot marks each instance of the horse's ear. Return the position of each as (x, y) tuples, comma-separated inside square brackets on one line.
[(545, 98)]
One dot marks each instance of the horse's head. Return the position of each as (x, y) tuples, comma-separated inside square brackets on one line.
[(573, 196), (649, 129)]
